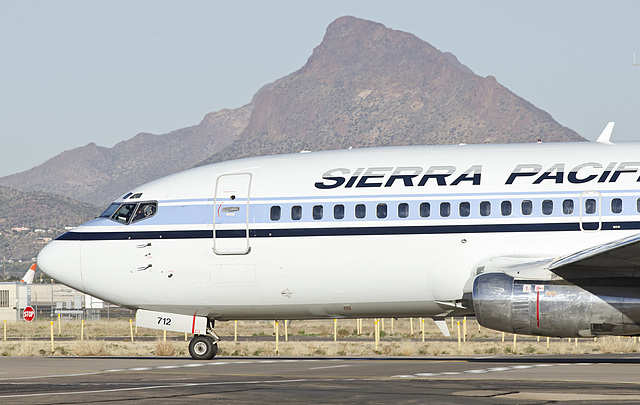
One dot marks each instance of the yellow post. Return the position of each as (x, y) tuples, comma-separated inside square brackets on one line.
[(547, 342), (479, 327), (411, 323), (235, 331), (335, 330), (382, 324), (164, 335), (82, 330), (576, 342), (464, 329), (136, 324), (502, 337), (538, 338), (185, 336), (422, 326), (514, 342), (131, 329), (377, 333), (277, 338), (59, 326), (286, 331), (392, 326), (52, 349), (459, 341)]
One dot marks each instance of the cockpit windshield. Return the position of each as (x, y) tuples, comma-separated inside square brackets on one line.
[(123, 214), (109, 211), (129, 213)]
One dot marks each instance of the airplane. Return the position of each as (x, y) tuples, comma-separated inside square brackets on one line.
[(536, 239)]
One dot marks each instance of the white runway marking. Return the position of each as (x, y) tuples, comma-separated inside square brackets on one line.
[(318, 368), (487, 370), (187, 365)]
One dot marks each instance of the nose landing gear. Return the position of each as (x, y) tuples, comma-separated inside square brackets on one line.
[(204, 347)]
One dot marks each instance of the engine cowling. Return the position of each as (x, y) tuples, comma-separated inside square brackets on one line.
[(561, 308)]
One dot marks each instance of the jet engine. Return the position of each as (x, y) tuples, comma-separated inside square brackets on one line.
[(563, 308)]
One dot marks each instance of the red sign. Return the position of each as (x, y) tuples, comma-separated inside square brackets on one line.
[(28, 314)]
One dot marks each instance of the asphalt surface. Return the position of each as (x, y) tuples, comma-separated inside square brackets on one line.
[(592, 379)]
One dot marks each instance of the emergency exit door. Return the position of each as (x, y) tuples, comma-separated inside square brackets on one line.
[(231, 214)]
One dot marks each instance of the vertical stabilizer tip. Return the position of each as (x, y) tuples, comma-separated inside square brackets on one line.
[(605, 136)]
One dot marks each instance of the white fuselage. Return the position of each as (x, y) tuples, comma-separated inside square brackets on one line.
[(226, 241)]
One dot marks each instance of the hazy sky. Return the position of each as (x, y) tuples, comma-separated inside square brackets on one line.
[(74, 72)]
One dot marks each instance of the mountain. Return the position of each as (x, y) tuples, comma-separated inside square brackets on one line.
[(97, 175), (28, 220), (365, 85), (42, 210)]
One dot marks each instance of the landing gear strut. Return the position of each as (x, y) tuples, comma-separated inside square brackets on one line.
[(204, 347)]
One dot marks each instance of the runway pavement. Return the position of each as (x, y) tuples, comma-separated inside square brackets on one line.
[(594, 379)]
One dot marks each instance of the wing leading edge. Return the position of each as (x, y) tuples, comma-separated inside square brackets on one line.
[(619, 258)]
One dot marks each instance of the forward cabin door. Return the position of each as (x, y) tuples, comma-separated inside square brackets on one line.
[(231, 214)]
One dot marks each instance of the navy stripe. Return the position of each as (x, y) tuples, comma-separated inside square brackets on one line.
[(350, 231), (197, 234)]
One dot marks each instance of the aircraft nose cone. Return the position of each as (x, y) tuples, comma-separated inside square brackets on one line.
[(60, 260)]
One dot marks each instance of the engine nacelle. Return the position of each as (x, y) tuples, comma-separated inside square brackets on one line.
[(580, 308)]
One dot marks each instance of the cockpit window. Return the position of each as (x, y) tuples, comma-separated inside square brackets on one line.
[(123, 214), (109, 211), (144, 211), (129, 213)]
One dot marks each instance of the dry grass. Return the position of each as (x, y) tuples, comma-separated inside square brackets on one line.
[(402, 342)]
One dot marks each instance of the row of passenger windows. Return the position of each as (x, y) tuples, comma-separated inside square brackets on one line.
[(445, 209)]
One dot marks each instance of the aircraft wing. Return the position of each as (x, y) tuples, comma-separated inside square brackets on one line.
[(616, 259), (620, 258)]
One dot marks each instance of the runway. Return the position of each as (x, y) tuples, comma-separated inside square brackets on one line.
[(596, 379)]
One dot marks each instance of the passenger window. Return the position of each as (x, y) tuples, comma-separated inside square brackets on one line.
[(505, 208), (567, 207), (296, 212), (590, 206), (123, 214), (338, 211), (464, 209), (616, 205), (527, 207), (403, 210), (361, 211), (445, 209), (317, 212), (485, 208), (381, 210), (425, 209), (638, 205), (144, 211), (547, 207), (275, 213)]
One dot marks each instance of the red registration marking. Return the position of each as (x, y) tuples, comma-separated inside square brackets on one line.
[(538, 307), (193, 325)]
